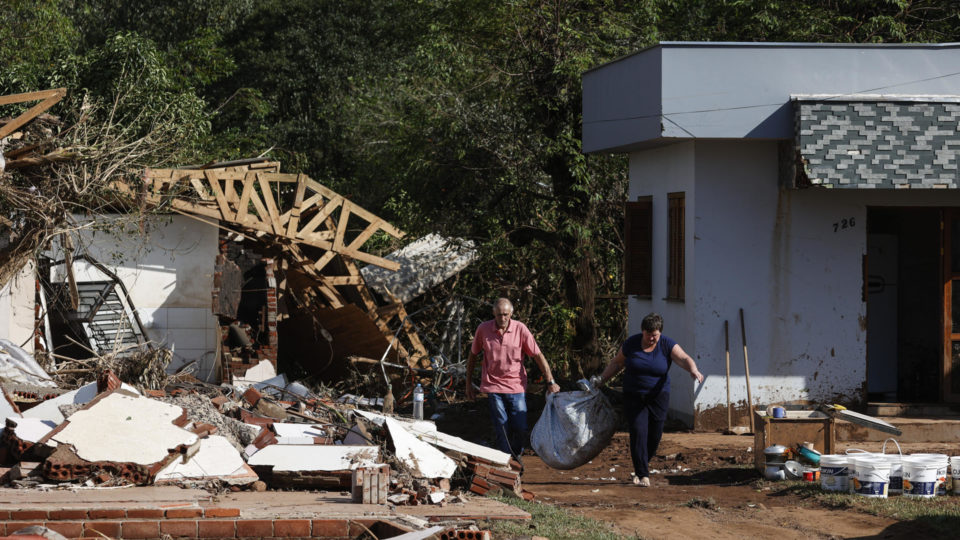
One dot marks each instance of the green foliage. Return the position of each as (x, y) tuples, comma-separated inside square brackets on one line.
[(456, 117), (35, 35)]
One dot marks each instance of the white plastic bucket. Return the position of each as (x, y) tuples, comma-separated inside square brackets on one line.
[(871, 475), (834, 472), (955, 473), (896, 473), (941, 462), (919, 477), (895, 486)]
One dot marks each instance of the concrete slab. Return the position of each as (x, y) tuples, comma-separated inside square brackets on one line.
[(422, 459), (125, 428), (216, 458), (31, 429), (426, 431), (50, 409), (287, 429), (315, 457)]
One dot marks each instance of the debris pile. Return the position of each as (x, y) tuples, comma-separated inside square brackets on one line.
[(109, 433)]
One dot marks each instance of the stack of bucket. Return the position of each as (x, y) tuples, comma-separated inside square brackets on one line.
[(880, 475)]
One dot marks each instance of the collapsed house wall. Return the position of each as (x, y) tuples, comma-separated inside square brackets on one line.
[(17, 307), (169, 275)]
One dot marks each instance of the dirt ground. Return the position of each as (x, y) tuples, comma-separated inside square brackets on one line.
[(693, 468)]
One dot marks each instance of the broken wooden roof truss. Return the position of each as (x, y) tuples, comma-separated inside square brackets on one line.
[(302, 216)]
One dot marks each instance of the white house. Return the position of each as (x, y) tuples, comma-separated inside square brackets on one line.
[(814, 186)]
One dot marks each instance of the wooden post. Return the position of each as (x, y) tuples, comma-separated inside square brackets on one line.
[(746, 368), (726, 348)]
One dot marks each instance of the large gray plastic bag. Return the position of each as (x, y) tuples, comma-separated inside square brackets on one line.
[(574, 428)]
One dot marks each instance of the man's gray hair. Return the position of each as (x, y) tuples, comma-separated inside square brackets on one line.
[(503, 302)]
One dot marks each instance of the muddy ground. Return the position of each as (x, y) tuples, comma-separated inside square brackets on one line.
[(705, 487)]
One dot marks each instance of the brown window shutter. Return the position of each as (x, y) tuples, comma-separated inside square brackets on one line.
[(638, 247), (675, 270)]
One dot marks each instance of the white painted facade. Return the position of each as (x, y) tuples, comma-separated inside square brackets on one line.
[(169, 275), (774, 253), (17, 307)]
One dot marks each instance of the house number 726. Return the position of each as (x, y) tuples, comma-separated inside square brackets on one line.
[(844, 223)]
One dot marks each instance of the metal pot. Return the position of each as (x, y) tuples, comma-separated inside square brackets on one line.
[(776, 454)]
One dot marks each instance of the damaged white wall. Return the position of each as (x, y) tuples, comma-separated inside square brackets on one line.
[(169, 275), (17, 299), (772, 252)]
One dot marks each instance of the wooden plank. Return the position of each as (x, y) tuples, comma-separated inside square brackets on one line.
[(343, 280), (365, 214), (201, 191), (295, 211), (272, 211), (322, 214), (342, 225), (49, 97), (244, 205), (263, 216), (324, 260), (364, 235), (372, 259), (214, 182)]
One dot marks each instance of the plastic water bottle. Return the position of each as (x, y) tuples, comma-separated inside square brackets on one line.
[(418, 402)]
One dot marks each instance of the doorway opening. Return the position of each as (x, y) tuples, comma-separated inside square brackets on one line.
[(904, 296)]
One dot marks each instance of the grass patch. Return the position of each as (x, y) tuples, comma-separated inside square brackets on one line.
[(698, 502), (941, 514), (550, 521)]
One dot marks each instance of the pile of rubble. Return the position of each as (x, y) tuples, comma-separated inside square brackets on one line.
[(269, 435)]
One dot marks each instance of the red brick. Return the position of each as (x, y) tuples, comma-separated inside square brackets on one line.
[(107, 513), (144, 513), (99, 529), (286, 528), (14, 526), (359, 527), (329, 528), (179, 527), (67, 514), (141, 529), (28, 514), (185, 512), (255, 528), (217, 528), (70, 529), (4, 515), (221, 512)]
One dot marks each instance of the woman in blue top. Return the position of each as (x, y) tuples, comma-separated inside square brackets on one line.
[(646, 358)]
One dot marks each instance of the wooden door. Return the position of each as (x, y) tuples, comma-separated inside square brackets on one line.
[(950, 380)]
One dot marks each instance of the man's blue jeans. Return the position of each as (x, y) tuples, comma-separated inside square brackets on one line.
[(509, 415)]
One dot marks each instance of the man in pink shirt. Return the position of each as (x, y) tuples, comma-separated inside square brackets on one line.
[(504, 342)]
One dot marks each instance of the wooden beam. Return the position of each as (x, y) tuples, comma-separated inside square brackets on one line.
[(322, 214), (49, 97), (214, 182), (294, 219), (272, 213)]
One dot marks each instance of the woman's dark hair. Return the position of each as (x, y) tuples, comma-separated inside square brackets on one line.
[(652, 323)]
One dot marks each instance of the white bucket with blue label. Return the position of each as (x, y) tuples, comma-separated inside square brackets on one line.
[(919, 477), (871, 475), (928, 476), (896, 473), (834, 472)]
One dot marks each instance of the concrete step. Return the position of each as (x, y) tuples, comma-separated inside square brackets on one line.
[(915, 430), (918, 410)]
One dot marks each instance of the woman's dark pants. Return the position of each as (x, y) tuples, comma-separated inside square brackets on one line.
[(645, 416)]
